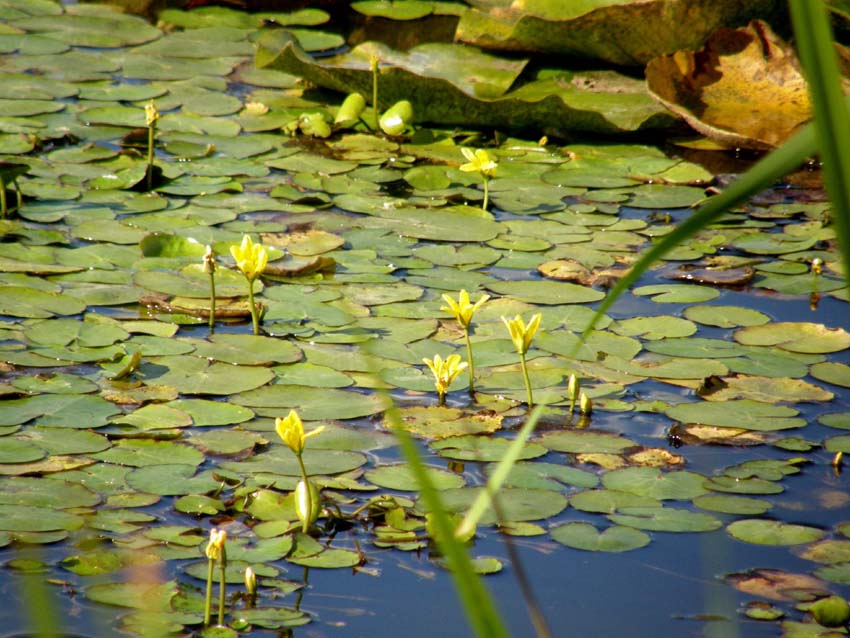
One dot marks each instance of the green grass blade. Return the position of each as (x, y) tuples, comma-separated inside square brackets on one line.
[(497, 478), (832, 120), (762, 175), (476, 600)]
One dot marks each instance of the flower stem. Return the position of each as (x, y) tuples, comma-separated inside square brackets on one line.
[(305, 524), (375, 95), (255, 318), (151, 133), (222, 585), (471, 365), (208, 599), (525, 378), (486, 193), (212, 301)]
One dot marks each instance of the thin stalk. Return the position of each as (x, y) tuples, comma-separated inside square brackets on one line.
[(527, 381), (375, 123), (255, 318), (3, 198), (208, 598), (151, 134), (486, 193), (222, 584), (305, 524), (212, 301), (471, 365)]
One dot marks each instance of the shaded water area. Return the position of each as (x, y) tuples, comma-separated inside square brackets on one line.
[(128, 431)]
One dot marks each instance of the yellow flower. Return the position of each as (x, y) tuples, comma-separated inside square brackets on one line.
[(151, 113), (216, 544), (585, 405), (522, 334), (291, 430), (250, 258), (462, 309), (445, 371), (479, 161)]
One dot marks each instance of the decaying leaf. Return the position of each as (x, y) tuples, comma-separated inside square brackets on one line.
[(743, 89)]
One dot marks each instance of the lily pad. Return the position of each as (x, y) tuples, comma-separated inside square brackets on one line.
[(741, 413), (400, 477), (765, 532), (443, 422), (612, 539), (515, 504)]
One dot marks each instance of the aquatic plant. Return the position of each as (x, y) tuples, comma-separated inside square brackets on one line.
[(216, 552), (522, 335), (151, 117), (479, 161), (251, 259), (462, 310), (291, 431), (210, 268), (444, 371)]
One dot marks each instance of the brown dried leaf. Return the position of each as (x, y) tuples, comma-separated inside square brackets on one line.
[(743, 89)]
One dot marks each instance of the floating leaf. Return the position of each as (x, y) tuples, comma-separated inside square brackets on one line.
[(400, 477), (795, 337), (442, 422), (765, 532), (514, 504), (666, 519), (742, 413), (612, 539)]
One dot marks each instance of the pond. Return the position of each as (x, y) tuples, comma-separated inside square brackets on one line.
[(697, 491)]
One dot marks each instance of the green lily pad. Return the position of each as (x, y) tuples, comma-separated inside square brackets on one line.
[(795, 337), (145, 452), (612, 539), (741, 413), (170, 480), (55, 383), (582, 441), (198, 376), (666, 519), (515, 504), (764, 532), (205, 412), (18, 301), (145, 596), (312, 403), (245, 349), (483, 448), (443, 422), (677, 293), (652, 482), (725, 316), (546, 292), (59, 410), (400, 477), (732, 504), (29, 518)]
